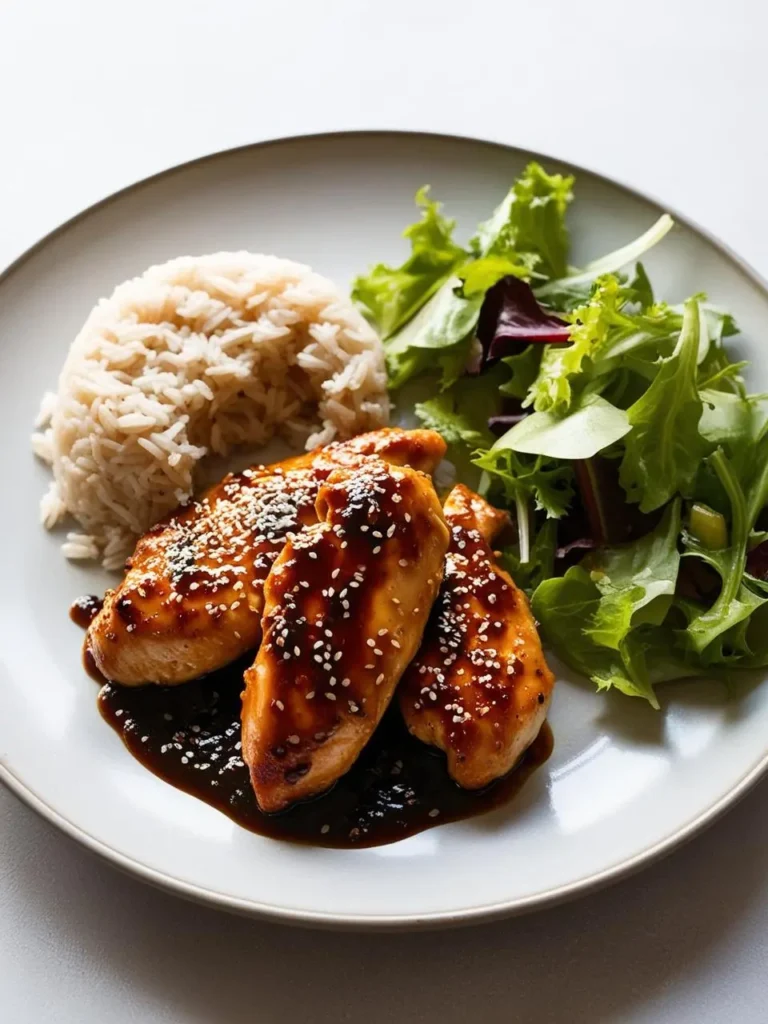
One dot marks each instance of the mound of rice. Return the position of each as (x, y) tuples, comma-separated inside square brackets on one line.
[(195, 356)]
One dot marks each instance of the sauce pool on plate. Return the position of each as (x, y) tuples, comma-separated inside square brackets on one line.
[(189, 735)]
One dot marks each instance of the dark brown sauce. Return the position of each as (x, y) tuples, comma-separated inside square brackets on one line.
[(189, 735), (85, 609)]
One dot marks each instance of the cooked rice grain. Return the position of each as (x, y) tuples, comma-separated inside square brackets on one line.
[(195, 356)]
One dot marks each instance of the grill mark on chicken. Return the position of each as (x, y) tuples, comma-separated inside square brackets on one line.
[(479, 686), (346, 604), (193, 595)]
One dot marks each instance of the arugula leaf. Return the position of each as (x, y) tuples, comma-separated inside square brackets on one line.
[(609, 264), (567, 606), (664, 447), (591, 425), (530, 219), (636, 581), (392, 295), (563, 606), (736, 601)]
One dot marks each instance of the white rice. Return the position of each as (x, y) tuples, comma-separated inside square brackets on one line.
[(195, 356)]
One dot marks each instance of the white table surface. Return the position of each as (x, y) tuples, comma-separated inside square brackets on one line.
[(669, 95)]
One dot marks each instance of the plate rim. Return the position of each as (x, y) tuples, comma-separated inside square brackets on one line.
[(378, 922)]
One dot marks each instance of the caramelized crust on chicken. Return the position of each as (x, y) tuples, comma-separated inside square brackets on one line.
[(346, 603), (192, 597), (479, 686)]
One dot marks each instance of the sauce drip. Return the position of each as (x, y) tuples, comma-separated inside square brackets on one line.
[(85, 609), (189, 735)]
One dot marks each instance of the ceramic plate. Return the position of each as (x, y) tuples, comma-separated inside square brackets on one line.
[(624, 784)]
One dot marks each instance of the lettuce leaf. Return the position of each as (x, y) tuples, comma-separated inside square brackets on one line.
[(530, 219), (591, 425), (606, 617), (605, 329), (438, 338), (390, 296)]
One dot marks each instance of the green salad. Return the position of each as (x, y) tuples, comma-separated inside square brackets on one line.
[(617, 429)]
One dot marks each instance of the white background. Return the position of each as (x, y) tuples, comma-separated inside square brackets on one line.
[(668, 95)]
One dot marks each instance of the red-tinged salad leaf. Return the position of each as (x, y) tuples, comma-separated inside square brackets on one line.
[(512, 318), (432, 302)]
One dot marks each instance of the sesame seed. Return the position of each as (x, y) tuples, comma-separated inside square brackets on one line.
[(310, 695), (395, 643), (325, 829), (380, 679), (331, 696), (377, 652), (434, 812), (279, 704), (345, 682), (293, 739), (337, 656), (371, 642), (335, 573), (402, 563), (297, 651)]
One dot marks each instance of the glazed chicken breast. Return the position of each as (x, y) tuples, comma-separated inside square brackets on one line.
[(479, 687), (346, 603), (192, 597)]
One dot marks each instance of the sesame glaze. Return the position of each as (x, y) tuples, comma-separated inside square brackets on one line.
[(335, 643), (190, 736), (479, 683), (196, 579)]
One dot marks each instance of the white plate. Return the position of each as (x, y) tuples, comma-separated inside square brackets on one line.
[(624, 784)]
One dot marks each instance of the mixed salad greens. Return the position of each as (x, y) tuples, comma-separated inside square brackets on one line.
[(615, 427)]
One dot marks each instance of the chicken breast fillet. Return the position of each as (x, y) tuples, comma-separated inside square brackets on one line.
[(192, 597), (479, 687), (346, 603)]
